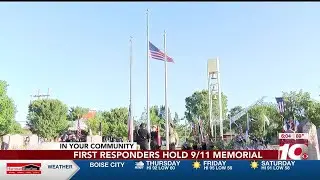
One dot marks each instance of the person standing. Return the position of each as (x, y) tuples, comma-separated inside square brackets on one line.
[(154, 138), (174, 139), (144, 137), (136, 134)]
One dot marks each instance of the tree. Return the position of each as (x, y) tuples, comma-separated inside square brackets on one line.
[(47, 118), (162, 113), (183, 131), (296, 104), (76, 113), (158, 118), (257, 122), (300, 106), (197, 106), (7, 110), (313, 113), (176, 118), (258, 113), (234, 111), (16, 128), (93, 124), (116, 121)]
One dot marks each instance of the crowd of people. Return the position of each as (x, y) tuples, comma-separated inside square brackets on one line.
[(70, 137), (153, 141)]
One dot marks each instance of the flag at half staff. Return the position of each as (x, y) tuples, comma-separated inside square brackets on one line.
[(155, 53), (158, 136)]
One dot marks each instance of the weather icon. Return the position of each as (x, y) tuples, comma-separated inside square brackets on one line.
[(254, 165), (139, 165), (196, 165)]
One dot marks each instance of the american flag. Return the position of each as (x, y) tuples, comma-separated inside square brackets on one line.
[(281, 104), (158, 136), (157, 54)]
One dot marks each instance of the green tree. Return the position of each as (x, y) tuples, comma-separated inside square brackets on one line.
[(93, 124), (116, 122), (259, 127), (197, 106), (234, 111), (47, 118), (313, 113), (7, 110), (183, 131), (297, 104), (176, 119), (162, 113), (156, 118), (16, 128), (302, 107), (76, 113)]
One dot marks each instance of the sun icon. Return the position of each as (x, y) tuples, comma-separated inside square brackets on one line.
[(196, 165), (254, 164)]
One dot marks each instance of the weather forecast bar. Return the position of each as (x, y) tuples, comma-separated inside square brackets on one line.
[(137, 155)]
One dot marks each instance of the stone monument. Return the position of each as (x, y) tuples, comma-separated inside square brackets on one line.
[(19, 141), (313, 144)]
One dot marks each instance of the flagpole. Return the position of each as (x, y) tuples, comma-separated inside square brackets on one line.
[(230, 127), (200, 129), (148, 76), (130, 115), (264, 127), (165, 90), (248, 121)]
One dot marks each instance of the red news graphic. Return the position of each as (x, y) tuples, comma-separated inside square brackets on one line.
[(138, 155), (293, 146), (23, 168)]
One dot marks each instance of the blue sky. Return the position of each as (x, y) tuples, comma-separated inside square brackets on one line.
[(81, 51)]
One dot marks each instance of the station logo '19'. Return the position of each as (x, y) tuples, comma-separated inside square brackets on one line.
[(293, 146)]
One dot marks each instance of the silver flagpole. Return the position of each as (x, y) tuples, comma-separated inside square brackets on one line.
[(165, 91), (248, 126), (148, 74), (130, 115)]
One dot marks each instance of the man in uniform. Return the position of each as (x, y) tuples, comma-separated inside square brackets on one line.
[(144, 137), (135, 134)]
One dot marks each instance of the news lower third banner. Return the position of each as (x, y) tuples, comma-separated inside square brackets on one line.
[(169, 169)]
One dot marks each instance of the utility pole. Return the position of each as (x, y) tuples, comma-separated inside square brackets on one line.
[(38, 95)]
